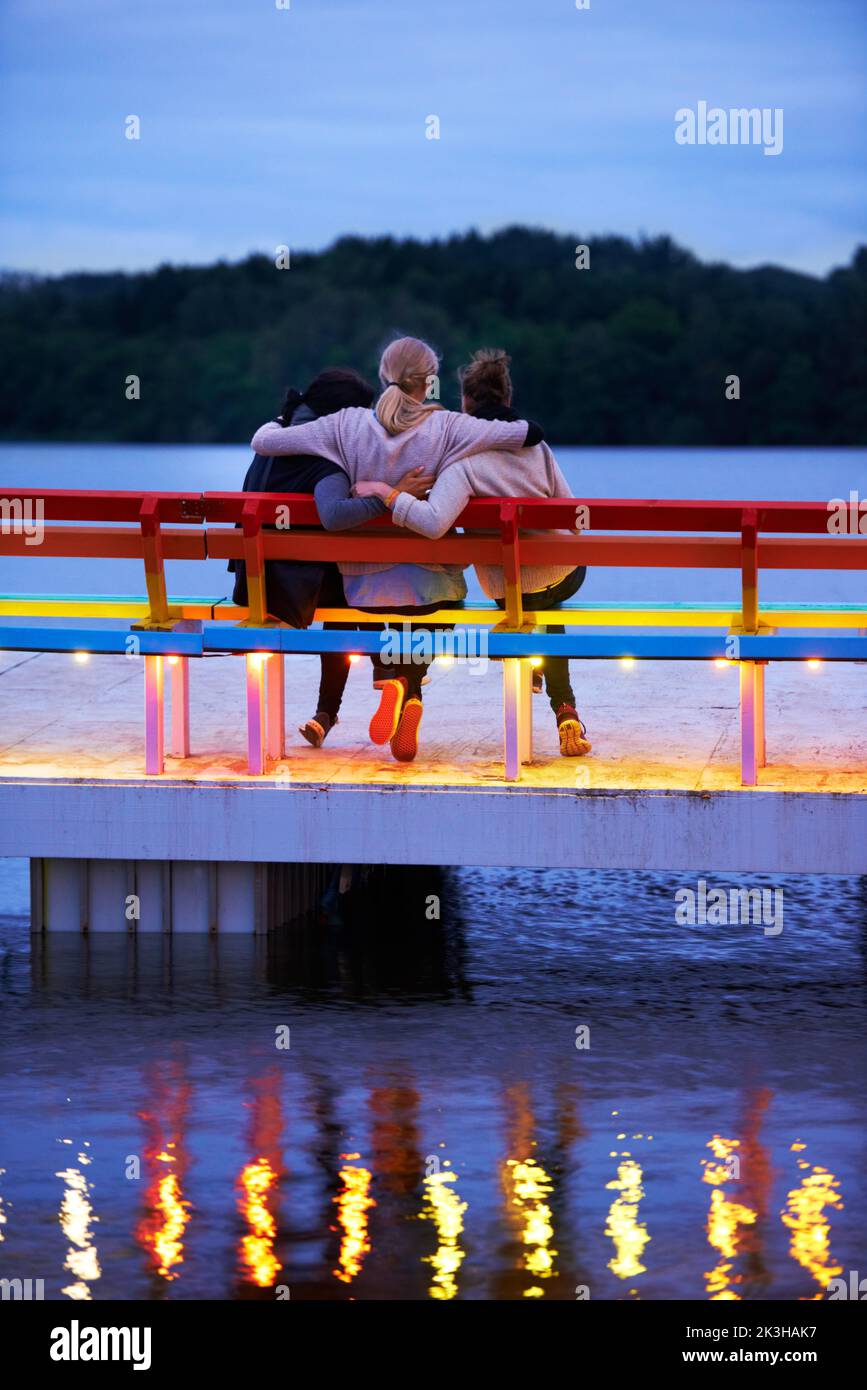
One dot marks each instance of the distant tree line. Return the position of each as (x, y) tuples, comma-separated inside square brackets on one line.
[(635, 349)]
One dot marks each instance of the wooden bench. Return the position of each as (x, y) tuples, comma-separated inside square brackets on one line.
[(744, 536)]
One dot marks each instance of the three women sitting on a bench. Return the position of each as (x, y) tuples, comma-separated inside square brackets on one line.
[(391, 455)]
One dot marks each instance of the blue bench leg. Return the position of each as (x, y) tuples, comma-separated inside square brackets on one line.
[(255, 714), (180, 683), (275, 702), (154, 716), (512, 677)]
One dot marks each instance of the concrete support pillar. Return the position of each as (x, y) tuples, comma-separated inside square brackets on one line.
[(186, 896), (240, 903), (191, 897), (153, 889), (110, 883), (62, 902)]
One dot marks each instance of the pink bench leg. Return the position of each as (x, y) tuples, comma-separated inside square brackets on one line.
[(154, 715), (512, 677), (255, 714), (180, 681), (761, 759), (749, 750), (275, 706), (526, 712)]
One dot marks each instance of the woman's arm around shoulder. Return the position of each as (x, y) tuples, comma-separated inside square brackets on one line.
[(315, 437), (466, 434), (449, 495), (338, 511)]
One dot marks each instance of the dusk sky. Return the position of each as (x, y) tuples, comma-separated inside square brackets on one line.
[(263, 126)]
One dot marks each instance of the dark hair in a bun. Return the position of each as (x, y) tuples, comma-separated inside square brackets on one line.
[(485, 380), (334, 389)]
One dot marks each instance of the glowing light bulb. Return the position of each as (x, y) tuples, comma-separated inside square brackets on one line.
[(173, 660), (814, 663), (627, 662), (82, 657), (536, 660), (354, 658), (720, 663)]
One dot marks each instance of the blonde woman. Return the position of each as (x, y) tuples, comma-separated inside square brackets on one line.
[(405, 431), (486, 387)]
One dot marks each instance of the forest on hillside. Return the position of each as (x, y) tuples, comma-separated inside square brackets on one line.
[(634, 349)]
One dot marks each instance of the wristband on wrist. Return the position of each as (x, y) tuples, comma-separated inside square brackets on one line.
[(390, 499)]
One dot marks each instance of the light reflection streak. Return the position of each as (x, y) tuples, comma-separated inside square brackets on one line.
[(725, 1221), (623, 1226), (257, 1246), (76, 1215), (258, 1185), (810, 1238), (444, 1208), (528, 1187), (161, 1231), (353, 1202), (531, 1187)]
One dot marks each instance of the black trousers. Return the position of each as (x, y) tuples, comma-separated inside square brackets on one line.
[(334, 666), (558, 686)]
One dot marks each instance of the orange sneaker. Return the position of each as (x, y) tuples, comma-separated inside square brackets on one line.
[(404, 745), (383, 725), (573, 736)]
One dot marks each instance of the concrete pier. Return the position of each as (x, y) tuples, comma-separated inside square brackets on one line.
[(659, 791), (164, 896)]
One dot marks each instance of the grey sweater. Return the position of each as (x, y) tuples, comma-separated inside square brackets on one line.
[(524, 473), (355, 440)]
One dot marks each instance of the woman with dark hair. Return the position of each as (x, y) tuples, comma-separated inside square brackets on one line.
[(295, 588)]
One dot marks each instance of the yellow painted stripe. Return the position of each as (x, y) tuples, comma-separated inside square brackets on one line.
[(610, 617), (483, 617), (91, 608)]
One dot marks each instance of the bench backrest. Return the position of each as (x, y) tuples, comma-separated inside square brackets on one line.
[(155, 526)]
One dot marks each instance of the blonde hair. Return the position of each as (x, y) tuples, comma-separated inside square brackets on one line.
[(486, 379), (404, 366)]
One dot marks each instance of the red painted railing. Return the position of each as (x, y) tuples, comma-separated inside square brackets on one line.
[(155, 526)]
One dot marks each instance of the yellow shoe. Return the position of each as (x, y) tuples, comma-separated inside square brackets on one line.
[(573, 736)]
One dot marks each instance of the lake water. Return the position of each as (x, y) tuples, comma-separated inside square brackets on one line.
[(433, 1130)]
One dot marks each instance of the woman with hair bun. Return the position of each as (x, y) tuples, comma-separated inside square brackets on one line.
[(404, 434), (486, 386)]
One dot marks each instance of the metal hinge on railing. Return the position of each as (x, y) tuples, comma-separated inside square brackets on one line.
[(193, 510)]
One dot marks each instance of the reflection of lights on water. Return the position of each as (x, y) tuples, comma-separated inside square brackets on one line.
[(810, 1239), (530, 1189), (257, 1247), (76, 1214), (164, 1231), (353, 1202), (725, 1220), (623, 1227), (444, 1208), (3, 1217)]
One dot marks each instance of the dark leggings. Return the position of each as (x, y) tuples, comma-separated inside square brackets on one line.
[(334, 666), (555, 669)]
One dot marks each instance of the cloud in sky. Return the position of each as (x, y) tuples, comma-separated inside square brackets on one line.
[(262, 126)]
